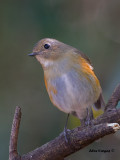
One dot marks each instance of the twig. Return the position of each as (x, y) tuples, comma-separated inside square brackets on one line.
[(115, 98), (13, 155), (79, 137)]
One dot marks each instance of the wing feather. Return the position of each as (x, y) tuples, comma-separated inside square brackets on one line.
[(83, 56)]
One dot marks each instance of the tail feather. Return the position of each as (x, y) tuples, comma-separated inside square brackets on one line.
[(99, 104)]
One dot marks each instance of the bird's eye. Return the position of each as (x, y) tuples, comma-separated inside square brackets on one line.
[(46, 46)]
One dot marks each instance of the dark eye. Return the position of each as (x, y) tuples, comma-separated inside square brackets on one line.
[(46, 46)]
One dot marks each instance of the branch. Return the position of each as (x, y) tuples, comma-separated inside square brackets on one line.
[(58, 149), (13, 155), (115, 98), (79, 137)]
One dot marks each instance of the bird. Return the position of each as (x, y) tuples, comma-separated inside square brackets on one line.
[(69, 78)]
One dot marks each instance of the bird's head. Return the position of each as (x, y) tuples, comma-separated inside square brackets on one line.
[(47, 51)]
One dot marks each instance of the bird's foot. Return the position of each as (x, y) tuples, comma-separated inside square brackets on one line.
[(66, 135), (88, 120)]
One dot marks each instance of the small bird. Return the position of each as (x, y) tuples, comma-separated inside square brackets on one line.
[(69, 78)]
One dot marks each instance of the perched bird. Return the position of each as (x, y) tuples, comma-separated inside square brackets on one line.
[(69, 78)]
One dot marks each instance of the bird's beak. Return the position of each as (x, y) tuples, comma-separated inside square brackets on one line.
[(32, 54)]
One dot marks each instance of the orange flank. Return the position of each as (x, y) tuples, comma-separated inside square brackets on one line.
[(50, 87), (87, 69), (45, 83)]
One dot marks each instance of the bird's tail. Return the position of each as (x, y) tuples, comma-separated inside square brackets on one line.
[(99, 104)]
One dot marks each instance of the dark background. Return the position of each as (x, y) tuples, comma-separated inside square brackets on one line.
[(90, 25)]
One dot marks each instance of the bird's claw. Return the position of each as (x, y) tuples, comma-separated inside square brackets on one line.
[(65, 132)]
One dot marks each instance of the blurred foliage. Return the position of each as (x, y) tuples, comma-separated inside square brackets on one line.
[(91, 26)]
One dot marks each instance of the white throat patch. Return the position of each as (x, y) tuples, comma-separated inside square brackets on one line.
[(44, 62)]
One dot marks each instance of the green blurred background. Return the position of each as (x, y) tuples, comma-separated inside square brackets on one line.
[(90, 25)]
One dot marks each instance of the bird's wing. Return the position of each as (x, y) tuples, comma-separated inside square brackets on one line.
[(83, 56), (99, 104)]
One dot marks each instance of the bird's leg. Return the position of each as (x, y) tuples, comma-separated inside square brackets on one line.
[(82, 121), (89, 117), (87, 120), (65, 129)]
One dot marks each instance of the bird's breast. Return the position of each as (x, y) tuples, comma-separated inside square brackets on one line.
[(72, 90)]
